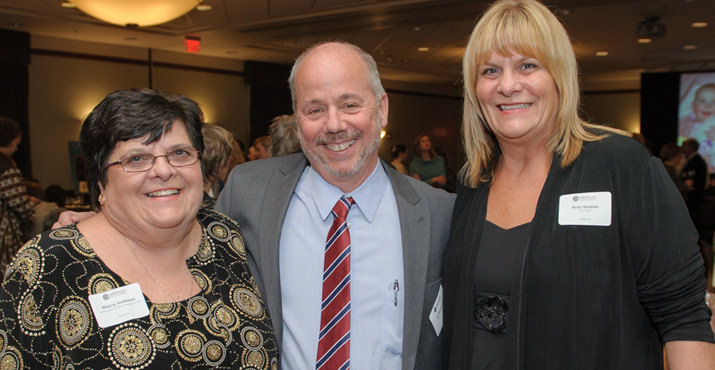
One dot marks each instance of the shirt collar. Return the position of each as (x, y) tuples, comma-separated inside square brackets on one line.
[(367, 196)]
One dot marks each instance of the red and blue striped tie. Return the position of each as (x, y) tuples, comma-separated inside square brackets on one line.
[(334, 342)]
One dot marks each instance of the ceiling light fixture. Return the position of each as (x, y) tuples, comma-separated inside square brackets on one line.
[(68, 5), (690, 47), (644, 40), (423, 48), (651, 27), (601, 53), (699, 24), (136, 13)]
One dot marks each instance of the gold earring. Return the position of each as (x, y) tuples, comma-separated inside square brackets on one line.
[(100, 199)]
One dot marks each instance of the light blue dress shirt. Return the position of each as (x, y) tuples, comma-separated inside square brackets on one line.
[(377, 310)]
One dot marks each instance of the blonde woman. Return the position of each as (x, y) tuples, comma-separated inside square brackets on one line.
[(570, 248)]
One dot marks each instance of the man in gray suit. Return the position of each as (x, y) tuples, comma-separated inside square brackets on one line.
[(398, 226)]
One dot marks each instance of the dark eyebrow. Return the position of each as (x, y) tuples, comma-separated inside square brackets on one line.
[(181, 146)]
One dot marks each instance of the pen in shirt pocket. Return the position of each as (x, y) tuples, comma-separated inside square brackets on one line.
[(396, 288)]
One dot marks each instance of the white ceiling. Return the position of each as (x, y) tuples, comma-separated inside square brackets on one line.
[(392, 30)]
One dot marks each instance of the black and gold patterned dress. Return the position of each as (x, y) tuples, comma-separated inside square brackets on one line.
[(46, 320)]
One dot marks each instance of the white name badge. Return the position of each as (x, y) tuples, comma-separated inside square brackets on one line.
[(435, 315), (592, 209), (119, 305)]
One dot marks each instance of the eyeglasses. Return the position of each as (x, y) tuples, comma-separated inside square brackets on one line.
[(144, 161)]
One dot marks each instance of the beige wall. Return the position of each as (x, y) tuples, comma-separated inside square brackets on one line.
[(64, 89), (62, 92), (617, 109)]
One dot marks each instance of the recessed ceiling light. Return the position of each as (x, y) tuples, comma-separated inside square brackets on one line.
[(68, 5), (644, 40), (601, 53), (417, 28), (690, 47), (203, 7), (422, 48), (699, 24)]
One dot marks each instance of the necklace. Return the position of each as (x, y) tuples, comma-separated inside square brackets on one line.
[(178, 298)]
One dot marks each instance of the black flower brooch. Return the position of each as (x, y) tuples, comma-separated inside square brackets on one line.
[(491, 312)]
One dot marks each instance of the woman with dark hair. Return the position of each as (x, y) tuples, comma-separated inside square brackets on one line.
[(569, 246), (16, 208), (149, 281), (399, 154), (427, 165)]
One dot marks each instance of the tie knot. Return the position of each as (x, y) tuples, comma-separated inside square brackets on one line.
[(342, 206)]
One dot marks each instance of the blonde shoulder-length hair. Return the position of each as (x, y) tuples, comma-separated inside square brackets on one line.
[(528, 28)]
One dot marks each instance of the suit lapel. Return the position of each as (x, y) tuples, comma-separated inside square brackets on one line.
[(279, 193), (415, 226)]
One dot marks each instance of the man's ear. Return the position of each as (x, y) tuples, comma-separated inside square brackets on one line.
[(384, 110)]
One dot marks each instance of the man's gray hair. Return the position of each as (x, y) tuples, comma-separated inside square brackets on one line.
[(373, 75)]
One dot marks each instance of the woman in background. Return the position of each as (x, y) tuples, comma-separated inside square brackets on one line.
[(399, 155), (283, 132), (215, 161), (151, 281), (427, 165), (569, 246), (16, 208)]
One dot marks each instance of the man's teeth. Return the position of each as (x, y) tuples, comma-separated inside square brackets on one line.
[(340, 147), (514, 106), (162, 193)]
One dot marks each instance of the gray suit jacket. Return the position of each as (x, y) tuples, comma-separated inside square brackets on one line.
[(257, 195)]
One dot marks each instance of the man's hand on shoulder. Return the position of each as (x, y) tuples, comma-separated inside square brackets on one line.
[(68, 217)]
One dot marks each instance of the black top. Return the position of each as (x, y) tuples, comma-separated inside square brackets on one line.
[(495, 272)]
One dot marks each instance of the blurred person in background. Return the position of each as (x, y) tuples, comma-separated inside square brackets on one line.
[(251, 156), (215, 161), (427, 165), (695, 175), (672, 156), (284, 135), (399, 155), (237, 154), (16, 207), (262, 147)]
